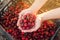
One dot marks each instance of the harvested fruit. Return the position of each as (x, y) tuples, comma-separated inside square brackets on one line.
[(9, 21), (27, 21)]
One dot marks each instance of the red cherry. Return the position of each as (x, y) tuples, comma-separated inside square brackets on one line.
[(11, 8), (34, 34), (52, 32), (25, 24), (26, 38), (25, 21), (33, 24), (23, 38), (45, 26), (22, 33), (9, 30), (41, 36), (46, 33)]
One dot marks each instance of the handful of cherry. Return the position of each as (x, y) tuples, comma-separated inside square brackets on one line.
[(27, 21)]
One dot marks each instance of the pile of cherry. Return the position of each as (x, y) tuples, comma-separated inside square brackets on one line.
[(9, 21), (27, 21)]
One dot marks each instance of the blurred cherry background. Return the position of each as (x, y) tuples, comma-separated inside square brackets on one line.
[(9, 22)]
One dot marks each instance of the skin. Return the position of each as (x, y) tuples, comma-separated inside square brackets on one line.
[(52, 14)]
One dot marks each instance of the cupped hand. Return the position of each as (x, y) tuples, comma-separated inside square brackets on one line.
[(37, 21), (37, 25)]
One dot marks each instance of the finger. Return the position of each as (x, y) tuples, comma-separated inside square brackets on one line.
[(20, 28), (19, 17), (18, 22), (25, 31), (30, 30), (37, 23)]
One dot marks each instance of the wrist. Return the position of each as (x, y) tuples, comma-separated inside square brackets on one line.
[(43, 16)]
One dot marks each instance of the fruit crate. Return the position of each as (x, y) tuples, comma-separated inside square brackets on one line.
[(57, 34), (3, 3), (4, 35), (9, 17)]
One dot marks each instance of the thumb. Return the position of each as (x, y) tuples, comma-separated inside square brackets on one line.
[(37, 23)]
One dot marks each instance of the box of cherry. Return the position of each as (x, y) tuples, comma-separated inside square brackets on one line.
[(10, 18)]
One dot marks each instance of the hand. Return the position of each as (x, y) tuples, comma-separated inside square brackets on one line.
[(21, 14), (37, 21)]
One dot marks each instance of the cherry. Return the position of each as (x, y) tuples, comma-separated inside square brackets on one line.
[(26, 21), (9, 21)]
